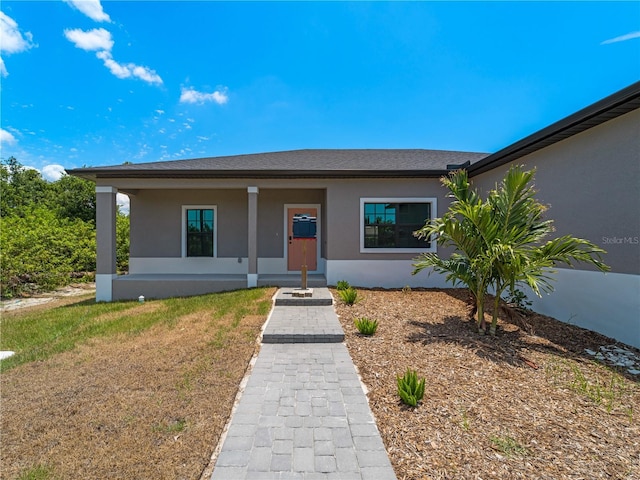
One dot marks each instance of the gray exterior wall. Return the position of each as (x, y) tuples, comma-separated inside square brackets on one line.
[(156, 216), (343, 212), (591, 182), (271, 225)]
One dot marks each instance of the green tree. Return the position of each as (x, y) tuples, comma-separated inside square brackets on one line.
[(498, 241), (21, 188), (122, 242), (75, 198)]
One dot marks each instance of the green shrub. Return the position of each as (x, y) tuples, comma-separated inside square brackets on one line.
[(366, 326), (410, 388), (517, 299), (349, 296), (342, 285), (41, 251)]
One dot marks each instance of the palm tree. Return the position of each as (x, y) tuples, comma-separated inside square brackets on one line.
[(498, 241)]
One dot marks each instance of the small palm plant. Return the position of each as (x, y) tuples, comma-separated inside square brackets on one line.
[(410, 387), (349, 295), (366, 326), (499, 241), (342, 285)]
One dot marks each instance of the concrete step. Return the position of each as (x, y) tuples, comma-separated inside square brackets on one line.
[(288, 297)]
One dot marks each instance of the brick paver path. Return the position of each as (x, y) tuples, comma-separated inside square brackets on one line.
[(303, 413)]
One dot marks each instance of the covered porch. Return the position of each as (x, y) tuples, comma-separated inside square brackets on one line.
[(251, 241)]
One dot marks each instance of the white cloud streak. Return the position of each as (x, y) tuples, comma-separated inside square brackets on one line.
[(91, 8), (99, 40), (6, 137), (13, 40), (622, 38), (190, 95), (128, 70), (91, 40)]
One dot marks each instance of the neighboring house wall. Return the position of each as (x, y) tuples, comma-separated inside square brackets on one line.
[(591, 182)]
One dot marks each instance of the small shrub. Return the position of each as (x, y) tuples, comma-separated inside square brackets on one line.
[(508, 445), (366, 326), (518, 299), (349, 296), (406, 289), (410, 388), (342, 285)]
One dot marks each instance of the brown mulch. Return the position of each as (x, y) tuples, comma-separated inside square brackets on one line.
[(137, 407), (528, 403)]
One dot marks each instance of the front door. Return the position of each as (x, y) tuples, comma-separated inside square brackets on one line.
[(298, 249)]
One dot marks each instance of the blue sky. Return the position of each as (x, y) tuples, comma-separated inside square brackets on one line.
[(100, 83)]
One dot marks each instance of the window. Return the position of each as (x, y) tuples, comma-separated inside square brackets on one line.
[(199, 239), (387, 224)]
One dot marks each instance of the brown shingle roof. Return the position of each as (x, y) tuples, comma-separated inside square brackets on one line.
[(296, 164)]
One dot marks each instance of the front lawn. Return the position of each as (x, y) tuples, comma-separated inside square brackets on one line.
[(124, 389)]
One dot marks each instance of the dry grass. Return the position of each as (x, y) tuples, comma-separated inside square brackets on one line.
[(147, 406), (519, 405)]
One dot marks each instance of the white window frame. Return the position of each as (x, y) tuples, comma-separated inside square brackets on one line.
[(183, 226), (434, 213)]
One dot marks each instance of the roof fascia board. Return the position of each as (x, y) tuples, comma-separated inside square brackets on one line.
[(93, 175)]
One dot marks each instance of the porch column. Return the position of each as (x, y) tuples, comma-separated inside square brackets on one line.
[(105, 242), (252, 275)]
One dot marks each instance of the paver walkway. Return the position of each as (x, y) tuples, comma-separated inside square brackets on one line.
[(303, 413)]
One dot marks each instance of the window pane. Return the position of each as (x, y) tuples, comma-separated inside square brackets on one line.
[(391, 225), (200, 232)]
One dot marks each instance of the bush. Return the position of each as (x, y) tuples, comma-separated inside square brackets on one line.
[(366, 326), (349, 296), (517, 299), (342, 285), (41, 251), (410, 388)]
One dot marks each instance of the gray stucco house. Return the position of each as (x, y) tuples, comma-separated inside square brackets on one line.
[(222, 223)]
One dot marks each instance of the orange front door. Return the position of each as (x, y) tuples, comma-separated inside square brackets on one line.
[(297, 250)]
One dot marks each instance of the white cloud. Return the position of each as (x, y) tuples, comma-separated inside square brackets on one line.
[(144, 73), (622, 38), (128, 70), (160, 112), (99, 40), (91, 8), (13, 40), (123, 203), (53, 172), (6, 137), (190, 95), (91, 40)]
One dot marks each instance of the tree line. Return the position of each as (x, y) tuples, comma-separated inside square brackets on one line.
[(48, 231)]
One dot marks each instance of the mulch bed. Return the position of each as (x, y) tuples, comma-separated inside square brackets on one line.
[(528, 403)]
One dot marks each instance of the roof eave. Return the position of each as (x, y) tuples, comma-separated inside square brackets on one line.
[(96, 174)]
